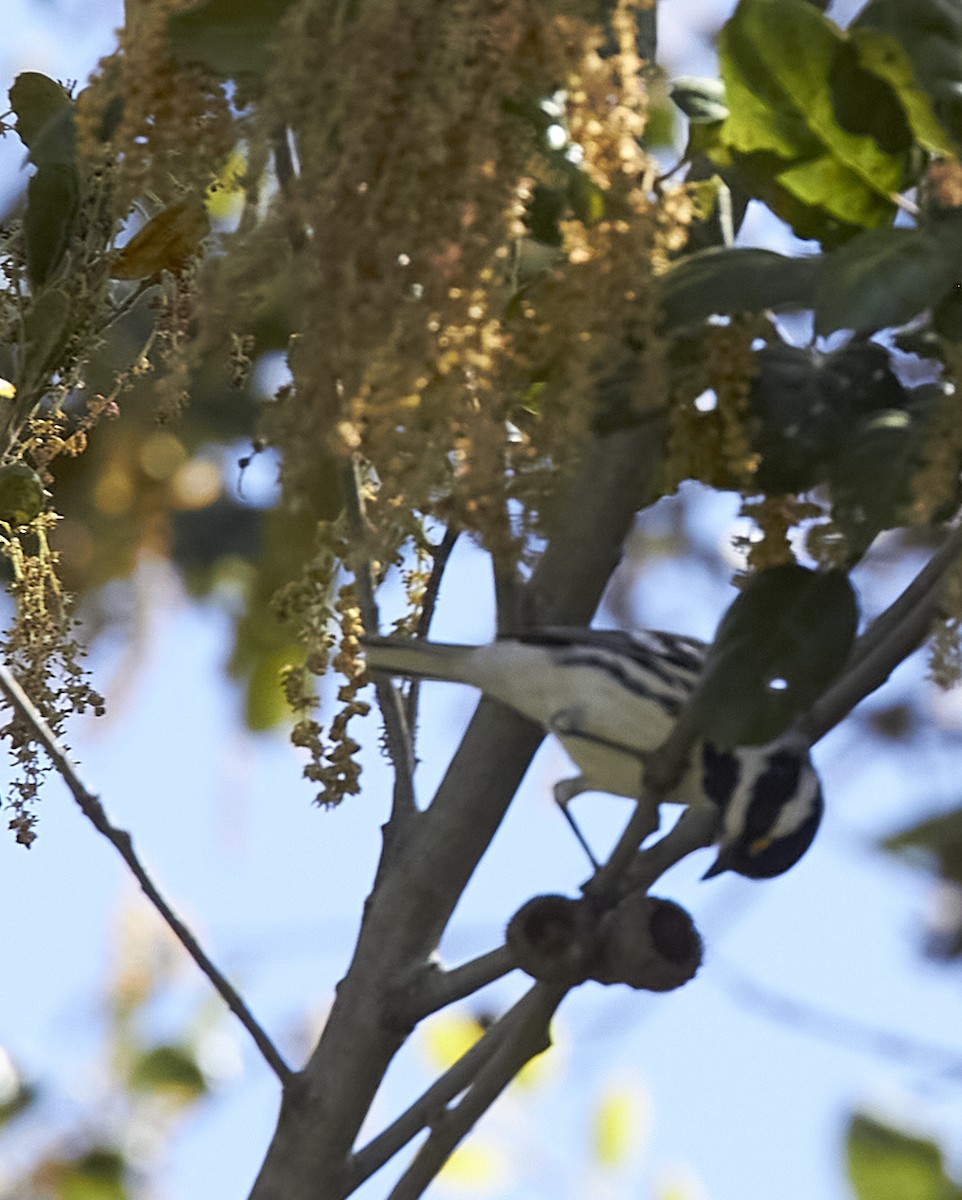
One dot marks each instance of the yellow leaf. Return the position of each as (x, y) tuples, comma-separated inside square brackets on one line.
[(477, 1166), (449, 1036), (621, 1124), (166, 243)]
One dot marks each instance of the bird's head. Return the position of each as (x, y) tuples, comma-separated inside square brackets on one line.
[(771, 805)]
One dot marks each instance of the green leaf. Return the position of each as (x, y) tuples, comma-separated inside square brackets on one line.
[(793, 429), (586, 198), (99, 1174), (929, 34), (724, 280), (883, 277), (779, 645), (230, 37), (937, 840), (883, 55), (37, 101), (870, 477), (21, 494), (787, 71), (168, 1069), (887, 1164), (53, 199), (47, 327)]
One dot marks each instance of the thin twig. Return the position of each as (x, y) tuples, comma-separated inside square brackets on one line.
[(812, 1020), (529, 1037), (439, 555), (432, 1102), (93, 810), (396, 731), (887, 642), (439, 561), (439, 988)]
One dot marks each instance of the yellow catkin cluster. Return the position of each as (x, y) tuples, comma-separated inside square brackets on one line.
[(41, 648), (935, 484), (412, 157), (775, 518), (714, 445), (165, 128)]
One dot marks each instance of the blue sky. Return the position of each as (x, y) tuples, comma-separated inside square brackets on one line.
[(743, 1104)]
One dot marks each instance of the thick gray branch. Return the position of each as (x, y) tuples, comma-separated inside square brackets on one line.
[(418, 888)]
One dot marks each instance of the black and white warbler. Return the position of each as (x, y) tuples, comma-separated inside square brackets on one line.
[(613, 697)]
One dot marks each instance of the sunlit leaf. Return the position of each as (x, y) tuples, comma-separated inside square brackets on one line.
[(887, 1164), (620, 1125), (788, 114), (168, 1069), (477, 1167), (99, 1174), (449, 1036), (885, 56), (929, 33), (21, 494)]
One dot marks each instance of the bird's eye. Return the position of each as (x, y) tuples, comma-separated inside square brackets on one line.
[(759, 845)]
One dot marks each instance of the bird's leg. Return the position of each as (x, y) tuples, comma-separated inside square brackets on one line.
[(565, 791)]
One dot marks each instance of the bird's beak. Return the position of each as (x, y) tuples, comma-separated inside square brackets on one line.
[(722, 863)]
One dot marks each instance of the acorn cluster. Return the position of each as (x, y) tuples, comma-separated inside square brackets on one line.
[(649, 943)]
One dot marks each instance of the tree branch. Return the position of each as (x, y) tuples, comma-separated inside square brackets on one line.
[(416, 891), (887, 642), (121, 840), (426, 1109), (440, 988), (529, 1037)]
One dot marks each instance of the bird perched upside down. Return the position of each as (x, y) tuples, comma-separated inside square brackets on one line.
[(612, 698)]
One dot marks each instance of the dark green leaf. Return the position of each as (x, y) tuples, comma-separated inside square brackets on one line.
[(883, 277), (884, 56), (546, 209), (230, 37), (168, 1068), (887, 1164), (870, 477), (37, 101), (736, 280), (929, 33), (779, 645), (100, 1174), (934, 842), (53, 196), (47, 328), (947, 316), (17, 1099), (793, 429)]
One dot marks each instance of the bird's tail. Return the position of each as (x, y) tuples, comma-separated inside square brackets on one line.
[(418, 659)]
